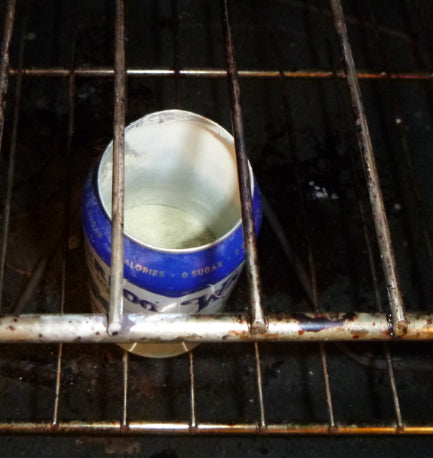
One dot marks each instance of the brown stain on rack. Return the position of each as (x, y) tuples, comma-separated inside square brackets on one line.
[(212, 73), (137, 427)]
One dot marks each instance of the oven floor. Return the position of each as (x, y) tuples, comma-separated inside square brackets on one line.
[(216, 447)]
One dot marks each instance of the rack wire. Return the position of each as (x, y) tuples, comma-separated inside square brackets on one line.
[(256, 325)]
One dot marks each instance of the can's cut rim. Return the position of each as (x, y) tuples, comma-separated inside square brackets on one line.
[(176, 115)]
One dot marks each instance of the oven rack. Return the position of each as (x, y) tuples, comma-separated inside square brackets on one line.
[(256, 325)]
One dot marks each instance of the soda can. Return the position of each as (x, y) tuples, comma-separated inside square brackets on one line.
[(183, 238)]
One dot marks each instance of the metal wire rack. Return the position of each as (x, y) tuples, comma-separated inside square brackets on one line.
[(251, 324)]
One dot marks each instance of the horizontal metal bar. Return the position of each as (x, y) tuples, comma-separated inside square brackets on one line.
[(143, 427), (162, 327), (221, 73)]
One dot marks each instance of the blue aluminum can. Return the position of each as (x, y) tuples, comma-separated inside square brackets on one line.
[(183, 243)]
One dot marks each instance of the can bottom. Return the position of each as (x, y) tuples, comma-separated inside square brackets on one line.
[(158, 350), (167, 350)]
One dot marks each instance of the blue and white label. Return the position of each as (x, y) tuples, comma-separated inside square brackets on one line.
[(137, 300), (169, 274)]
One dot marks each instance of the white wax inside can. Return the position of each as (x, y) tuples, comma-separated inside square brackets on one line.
[(166, 227), (181, 187)]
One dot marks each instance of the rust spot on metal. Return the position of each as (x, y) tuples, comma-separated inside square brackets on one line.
[(359, 334), (351, 316), (12, 328), (40, 336), (300, 332)]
